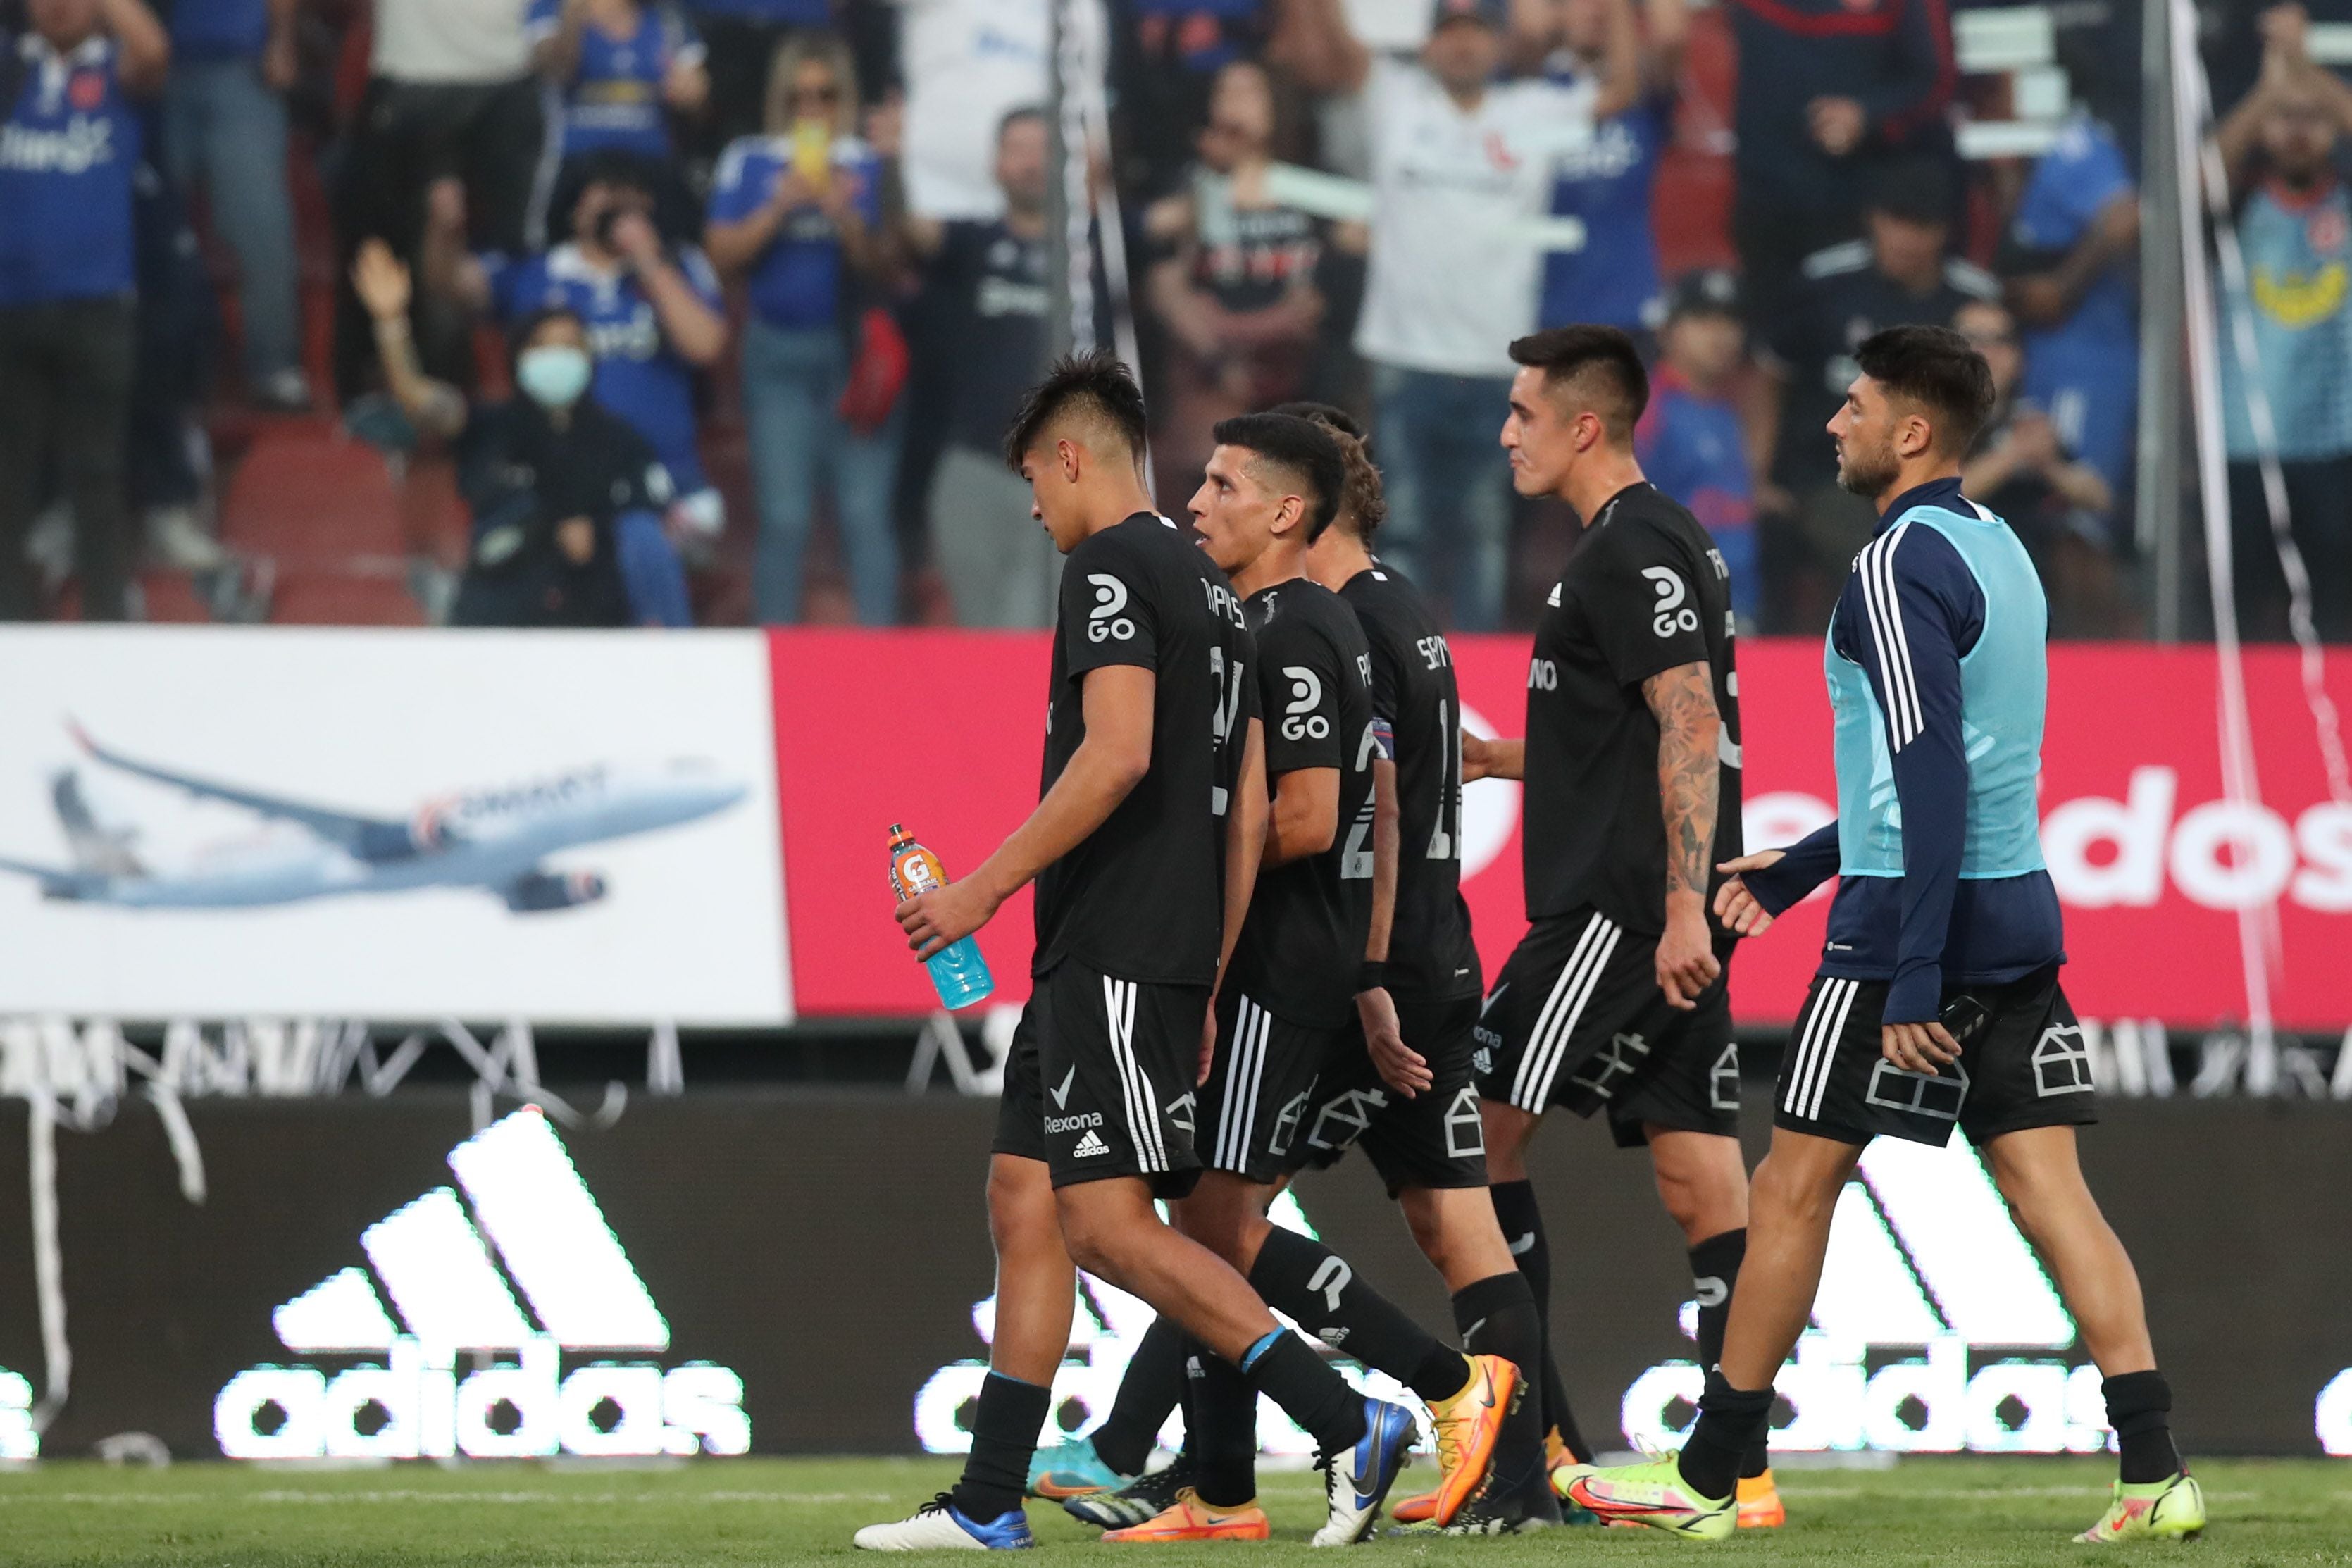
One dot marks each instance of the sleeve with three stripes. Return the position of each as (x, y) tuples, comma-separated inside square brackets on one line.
[(1917, 609)]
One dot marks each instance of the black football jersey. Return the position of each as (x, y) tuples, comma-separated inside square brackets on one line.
[(1304, 939), (1646, 591), (1431, 952), (1142, 897)]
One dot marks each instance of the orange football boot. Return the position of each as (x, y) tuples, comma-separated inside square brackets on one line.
[(1190, 1519)]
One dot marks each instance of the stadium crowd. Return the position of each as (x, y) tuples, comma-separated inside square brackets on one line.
[(792, 257)]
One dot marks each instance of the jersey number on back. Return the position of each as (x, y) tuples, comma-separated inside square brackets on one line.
[(1226, 704)]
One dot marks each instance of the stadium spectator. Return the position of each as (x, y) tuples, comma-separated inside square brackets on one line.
[(450, 95), (1165, 56), (991, 279), (1689, 440), (2068, 264), (1827, 88), (653, 312), (742, 37), (224, 135), (619, 70), (175, 327), (796, 214), (1900, 275), (68, 152), (1235, 286), (1462, 164), (1608, 184), (566, 496), (2022, 468), (968, 64), (2295, 221)]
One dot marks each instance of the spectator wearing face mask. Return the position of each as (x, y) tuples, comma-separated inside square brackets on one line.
[(794, 213), (652, 310), (566, 496), (69, 153)]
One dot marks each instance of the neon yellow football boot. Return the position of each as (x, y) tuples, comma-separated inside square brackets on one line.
[(1655, 1495), (2170, 1510)]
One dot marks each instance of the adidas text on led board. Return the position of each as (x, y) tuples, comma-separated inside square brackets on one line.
[(439, 1262)]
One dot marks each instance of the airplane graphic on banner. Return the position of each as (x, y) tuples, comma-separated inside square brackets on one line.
[(433, 1258), (493, 839)]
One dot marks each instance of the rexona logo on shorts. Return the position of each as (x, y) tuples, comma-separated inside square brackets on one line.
[(435, 1259), (1935, 1332)]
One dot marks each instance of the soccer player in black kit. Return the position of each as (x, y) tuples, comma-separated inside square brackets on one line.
[(1287, 1010), (1144, 848), (1615, 999)]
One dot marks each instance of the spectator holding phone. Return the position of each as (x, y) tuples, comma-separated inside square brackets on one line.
[(652, 310), (794, 213)]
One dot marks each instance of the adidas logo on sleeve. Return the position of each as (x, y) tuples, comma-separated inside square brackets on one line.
[(1091, 1143)]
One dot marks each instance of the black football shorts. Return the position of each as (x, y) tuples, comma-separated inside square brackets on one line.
[(1433, 1140), (1099, 1079), (2028, 1066), (1576, 1019), (1256, 1107)]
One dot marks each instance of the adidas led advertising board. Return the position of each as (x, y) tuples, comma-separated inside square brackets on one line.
[(445, 1263)]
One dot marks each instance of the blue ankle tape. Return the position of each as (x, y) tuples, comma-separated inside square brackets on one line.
[(1249, 1356)]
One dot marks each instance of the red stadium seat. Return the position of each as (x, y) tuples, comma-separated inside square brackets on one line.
[(306, 495)]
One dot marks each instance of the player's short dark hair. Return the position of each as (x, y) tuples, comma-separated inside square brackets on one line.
[(1302, 447), (1096, 386), (1016, 115), (1602, 364), (1362, 500), (1331, 416), (1939, 370)]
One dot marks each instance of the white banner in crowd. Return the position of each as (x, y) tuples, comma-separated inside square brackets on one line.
[(567, 827)]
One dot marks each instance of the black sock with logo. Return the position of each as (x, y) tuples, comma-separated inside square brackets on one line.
[(1730, 1421), (1309, 1391), (2139, 1407), (1221, 1430), (1320, 1291), (1152, 1386), (1714, 1269), (1004, 1429), (1522, 1223), (1496, 1316)]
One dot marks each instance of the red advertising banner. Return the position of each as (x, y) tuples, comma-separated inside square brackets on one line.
[(943, 730)]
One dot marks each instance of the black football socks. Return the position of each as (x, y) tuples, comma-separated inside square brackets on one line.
[(1496, 1316), (1152, 1385), (1714, 1269), (1285, 1369), (1730, 1421), (1318, 1288), (1221, 1430), (1522, 1222), (1003, 1439), (2139, 1407)]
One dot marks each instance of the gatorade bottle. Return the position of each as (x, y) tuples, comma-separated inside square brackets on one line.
[(959, 972)]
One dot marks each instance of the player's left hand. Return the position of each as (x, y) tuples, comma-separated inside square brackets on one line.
[(936, 920), (1917, 1048), (1208, 1046), (1400, 1067), (1686, 964)]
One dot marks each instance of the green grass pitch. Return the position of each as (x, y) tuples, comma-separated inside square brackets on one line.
[(779, 1512)]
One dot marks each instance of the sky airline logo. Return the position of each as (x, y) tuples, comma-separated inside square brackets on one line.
[(1928, 1296), (434, 1258)]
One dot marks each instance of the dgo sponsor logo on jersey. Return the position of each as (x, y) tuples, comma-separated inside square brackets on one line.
[(1106, 622)]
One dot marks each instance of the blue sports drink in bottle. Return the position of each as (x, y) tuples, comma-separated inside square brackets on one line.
[(958, 973)]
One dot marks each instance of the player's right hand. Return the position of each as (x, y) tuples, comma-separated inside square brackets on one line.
[(1686, 964), (1735, 906), (1208, 1046), (1474, 753), (1400, 1067)]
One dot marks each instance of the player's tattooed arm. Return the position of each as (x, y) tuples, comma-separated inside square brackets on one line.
[(1682, 701)]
